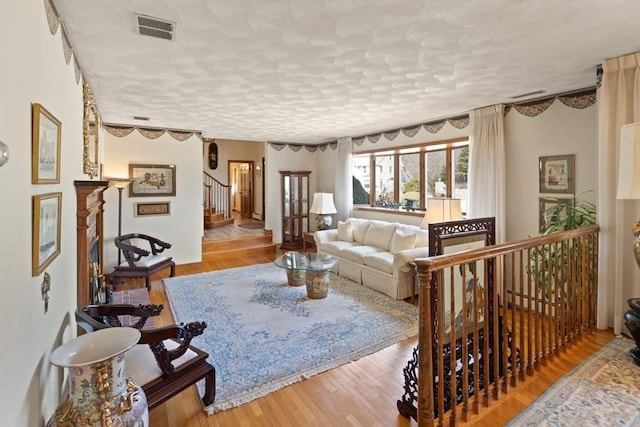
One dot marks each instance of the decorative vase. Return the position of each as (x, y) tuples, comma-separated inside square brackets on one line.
[(100, 394)]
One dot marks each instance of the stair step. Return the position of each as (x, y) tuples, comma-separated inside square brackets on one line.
[(244, 246), (217, 223), (213, 246)]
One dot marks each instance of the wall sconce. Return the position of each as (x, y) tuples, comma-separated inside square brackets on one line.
[(4, 153), (258, 171)]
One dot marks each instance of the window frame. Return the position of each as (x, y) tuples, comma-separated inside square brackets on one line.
[(444, 145)]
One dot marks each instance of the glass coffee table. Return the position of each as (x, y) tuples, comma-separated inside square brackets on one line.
[(310, 269)]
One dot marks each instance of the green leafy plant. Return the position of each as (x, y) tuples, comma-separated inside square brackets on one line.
[(569, 216), (551, 261)]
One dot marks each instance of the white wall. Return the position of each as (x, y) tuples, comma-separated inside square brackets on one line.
[(559, 130), (34, 71), (236, 150), (184, 228)]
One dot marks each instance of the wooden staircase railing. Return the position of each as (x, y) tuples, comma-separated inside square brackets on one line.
[(216, 197), (544, 298)]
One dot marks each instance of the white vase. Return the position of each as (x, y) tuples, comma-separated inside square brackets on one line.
[(100, 394)]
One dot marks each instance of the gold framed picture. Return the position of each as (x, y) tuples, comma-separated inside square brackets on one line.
[(557, 174), (47, 210), (46, 135), (152, 209), (152, 180)]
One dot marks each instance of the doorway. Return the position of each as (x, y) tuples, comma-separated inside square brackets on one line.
[(241, 181)]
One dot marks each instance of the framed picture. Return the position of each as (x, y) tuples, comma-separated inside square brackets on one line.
[(47, 209), (45, 146), (152, 180), (459, 283), (550, 210), (152, 208), (557, 174)]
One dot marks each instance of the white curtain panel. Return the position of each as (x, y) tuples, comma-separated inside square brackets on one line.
[(618, 104), (487, 163), (343, 187)]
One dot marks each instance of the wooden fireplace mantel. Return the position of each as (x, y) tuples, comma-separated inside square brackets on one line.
[(89, 214)]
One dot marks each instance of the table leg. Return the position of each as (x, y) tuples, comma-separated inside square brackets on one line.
[(317, 284), (295, 277)]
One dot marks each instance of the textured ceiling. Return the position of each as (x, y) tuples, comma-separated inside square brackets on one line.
[(313, 70)]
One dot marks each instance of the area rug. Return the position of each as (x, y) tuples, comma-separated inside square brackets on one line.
[(604, 390), (263, 334)]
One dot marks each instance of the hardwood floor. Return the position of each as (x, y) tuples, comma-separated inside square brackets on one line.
[(362, 393)]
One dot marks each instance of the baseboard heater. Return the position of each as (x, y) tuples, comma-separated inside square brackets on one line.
[(257, 216)]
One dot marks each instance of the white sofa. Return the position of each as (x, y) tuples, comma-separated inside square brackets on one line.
[(375, 253)]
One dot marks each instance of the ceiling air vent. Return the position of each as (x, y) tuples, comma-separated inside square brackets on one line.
[(154, 27), (524, 95)]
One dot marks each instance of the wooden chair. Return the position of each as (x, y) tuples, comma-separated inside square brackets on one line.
[(140, 262), (163, 362)]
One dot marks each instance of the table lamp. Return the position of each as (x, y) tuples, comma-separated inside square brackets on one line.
[(323, 207), (441, 210)]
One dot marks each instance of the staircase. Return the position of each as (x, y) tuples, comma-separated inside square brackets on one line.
[(216, 196), (239, 247)]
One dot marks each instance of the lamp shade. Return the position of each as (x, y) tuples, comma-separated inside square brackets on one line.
[(323, 204), (441, 210), (629, 165)]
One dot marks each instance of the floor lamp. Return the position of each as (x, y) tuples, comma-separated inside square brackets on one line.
[(120, 184)]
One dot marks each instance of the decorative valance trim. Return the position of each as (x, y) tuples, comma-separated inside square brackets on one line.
[(121, 131), (580, 99), (54, 21), (311, 148)]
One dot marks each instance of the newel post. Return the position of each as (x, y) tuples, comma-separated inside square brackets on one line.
[(426, 414)]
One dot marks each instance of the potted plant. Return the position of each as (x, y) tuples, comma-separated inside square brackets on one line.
[(553, 260)]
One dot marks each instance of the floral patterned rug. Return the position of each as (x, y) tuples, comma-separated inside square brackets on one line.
[(602, 391), (263, 334)]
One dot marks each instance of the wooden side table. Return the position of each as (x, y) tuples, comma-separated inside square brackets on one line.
[(307, 238)]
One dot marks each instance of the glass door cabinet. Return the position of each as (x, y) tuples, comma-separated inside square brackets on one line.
[(295, 208)]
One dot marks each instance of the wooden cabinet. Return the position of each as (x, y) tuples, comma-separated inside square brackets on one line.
[(89, 213), (295, 208)]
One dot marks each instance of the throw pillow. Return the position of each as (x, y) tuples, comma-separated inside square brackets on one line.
[(345, 231), (359, 230), (402, 241)]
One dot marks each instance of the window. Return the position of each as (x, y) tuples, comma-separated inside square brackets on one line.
[(406, 178)]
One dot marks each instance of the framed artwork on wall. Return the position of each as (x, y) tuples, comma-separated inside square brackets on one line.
[(550, 210), (557, 174), (152, 209), (46, 134), (152, 180), (47, 209)]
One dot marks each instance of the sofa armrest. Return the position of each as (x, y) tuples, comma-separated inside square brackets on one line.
[(323, 236), (402, 259)]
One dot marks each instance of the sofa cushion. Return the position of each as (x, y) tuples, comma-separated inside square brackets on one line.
[(360, 227), (336, 246), (379, 234), (422, 236), (357, 253), (402, 241), (382, 261), (345, 231), (142, 366)]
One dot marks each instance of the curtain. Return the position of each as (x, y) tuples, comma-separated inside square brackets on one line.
[(618, 104), (343, 186), (487, 182)]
